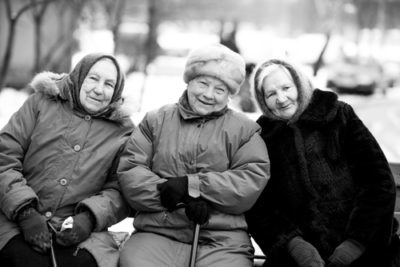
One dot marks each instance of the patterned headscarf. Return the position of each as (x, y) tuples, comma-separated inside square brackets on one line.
[(301, 81), (71, 84)]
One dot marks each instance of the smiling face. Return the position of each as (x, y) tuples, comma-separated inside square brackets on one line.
[(281, 96), (98, 86), (207, 94)]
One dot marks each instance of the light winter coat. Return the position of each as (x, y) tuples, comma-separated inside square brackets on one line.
[(63, 159), (224, 157)]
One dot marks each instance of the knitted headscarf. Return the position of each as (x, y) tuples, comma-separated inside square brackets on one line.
[(302, 83), (70, 85)]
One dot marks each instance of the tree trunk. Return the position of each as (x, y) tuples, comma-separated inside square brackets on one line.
[(7, 53)]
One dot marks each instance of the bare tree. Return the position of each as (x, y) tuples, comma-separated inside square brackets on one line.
[(12, 17)]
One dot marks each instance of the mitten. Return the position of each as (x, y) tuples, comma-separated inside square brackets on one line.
[(346, 253), (173, 191), (197, 210), (83, 224), (305, 254), (34, 228)]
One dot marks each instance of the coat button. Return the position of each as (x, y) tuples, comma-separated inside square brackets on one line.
[(87, 118), (77, 148), (63, 181), (48, 214), (192, 162)]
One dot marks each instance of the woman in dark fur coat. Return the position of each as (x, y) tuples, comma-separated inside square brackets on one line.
[(331, 196)]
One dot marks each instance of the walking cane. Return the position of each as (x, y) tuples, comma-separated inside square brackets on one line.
[(195, 243), (52, 254)]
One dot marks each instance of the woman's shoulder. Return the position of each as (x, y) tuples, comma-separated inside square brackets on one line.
[(45, 83), (161, 112), (241, 122)]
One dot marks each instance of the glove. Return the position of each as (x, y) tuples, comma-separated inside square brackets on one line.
[(82, 228), (346, 253), (197, 210), (173, 191), (305, 254), (34, 228)]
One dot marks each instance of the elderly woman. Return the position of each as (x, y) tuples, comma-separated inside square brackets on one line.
[(196, 161), (331, 196), (58, 158)]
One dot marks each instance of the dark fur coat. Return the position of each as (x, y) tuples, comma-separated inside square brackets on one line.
[(330, 182)]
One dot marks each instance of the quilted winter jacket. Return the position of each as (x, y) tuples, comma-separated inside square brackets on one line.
[(224, 157), (64, 160)]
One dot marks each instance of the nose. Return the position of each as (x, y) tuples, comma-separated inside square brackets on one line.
[(208, 92), (280, 97), (98, 88)]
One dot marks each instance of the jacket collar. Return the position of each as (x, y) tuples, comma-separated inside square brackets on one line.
[(187, 113), (321, 111)]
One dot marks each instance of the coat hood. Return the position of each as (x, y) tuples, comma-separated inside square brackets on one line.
[(51, 84)]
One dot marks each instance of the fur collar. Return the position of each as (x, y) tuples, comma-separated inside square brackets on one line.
[(48, 83)]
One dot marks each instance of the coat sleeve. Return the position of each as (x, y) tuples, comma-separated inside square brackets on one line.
[(14, 142), (268, 225), (372, 214), (235, 190), (108, 206), (138, 182)]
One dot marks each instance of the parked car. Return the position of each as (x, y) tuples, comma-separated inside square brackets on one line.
[(355, 76)]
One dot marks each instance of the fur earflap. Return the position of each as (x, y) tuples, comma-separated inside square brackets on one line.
[(46, 82)]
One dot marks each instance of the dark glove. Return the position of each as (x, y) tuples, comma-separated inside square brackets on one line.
[(34, 228), (82, 228), (197, 210), (173, 191), (346, 253), (305, 254)]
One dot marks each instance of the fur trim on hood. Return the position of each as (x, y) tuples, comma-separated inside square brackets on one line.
[(48, 83)]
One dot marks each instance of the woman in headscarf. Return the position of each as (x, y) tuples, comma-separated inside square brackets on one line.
[(331, 196), (195, 162), (58, 158)]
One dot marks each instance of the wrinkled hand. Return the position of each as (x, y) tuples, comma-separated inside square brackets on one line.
[(345, 254), (82, 228), (197, 210), (305, 254), (34, 228), (173, 191)]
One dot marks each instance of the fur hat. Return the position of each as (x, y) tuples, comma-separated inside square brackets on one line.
[(216, 61)]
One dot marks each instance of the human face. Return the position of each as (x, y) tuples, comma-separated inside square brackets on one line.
[(280, 93), (207, 94), (98, 86)]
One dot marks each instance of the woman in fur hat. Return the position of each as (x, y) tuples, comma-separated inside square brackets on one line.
[(331, 196), (194, 162), (58, 157)]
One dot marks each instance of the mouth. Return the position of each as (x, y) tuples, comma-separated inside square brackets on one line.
[(205, 103), (95, 100), (285, 107)]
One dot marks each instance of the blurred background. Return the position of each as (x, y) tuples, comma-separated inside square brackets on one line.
[(349, 46)]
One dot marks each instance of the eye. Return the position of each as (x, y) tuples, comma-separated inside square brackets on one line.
[(269, 95), (110, 84), (220, 90), (93, 78)]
